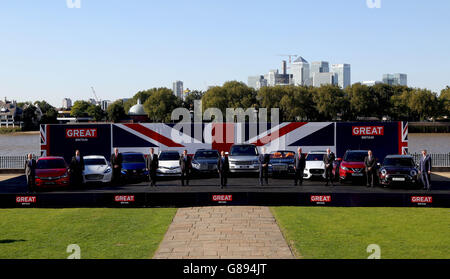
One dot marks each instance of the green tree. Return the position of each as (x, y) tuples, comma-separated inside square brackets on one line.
[(116, 111), (29, 118), (188, 102), (50, 116), (331, 102), (363, 100), (96, 113), (444, 99), (423, 104), (80, 109), (160, 104)]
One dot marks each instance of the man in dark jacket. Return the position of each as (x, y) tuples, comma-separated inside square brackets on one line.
[(425, 166), (328, 160), (223, 166), (152, 165), (30, 172), (370, 164), (185, 165), (299, 166), (263, 160), (116, 164), (76, 168)]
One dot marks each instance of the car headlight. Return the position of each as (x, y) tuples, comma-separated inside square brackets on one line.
[(383, 172), (413, 172), (255, 162), (344, 168), (108, 170), (64, 175), (195, 165)]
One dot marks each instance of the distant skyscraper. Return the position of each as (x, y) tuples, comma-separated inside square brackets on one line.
[(300, 72), (396, 79), (67, 103), (343, 74), (257, 82), (324, 79), (178, 89), (319, 67), (105, 104)]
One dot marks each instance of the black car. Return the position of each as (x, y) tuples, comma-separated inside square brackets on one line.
[(399, 170), (205, 161), (281, 162)]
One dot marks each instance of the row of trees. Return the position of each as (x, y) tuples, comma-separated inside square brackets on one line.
[(296, 103)]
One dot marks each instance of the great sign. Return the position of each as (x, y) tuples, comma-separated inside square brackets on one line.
[(368, 130), (81, 133)]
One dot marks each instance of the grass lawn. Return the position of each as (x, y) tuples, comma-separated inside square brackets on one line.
[(100, 233), (345, 233)]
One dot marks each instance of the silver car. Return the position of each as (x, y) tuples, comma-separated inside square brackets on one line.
[(243, 158)]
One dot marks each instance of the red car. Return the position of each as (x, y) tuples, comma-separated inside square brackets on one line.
[(351, 167), (52, 172)]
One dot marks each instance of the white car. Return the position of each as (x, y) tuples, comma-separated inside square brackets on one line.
[(169, 164), (243, 158), (315, 167), (96, 169)]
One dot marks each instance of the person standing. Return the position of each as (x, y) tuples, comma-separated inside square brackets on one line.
[(223, 166), (299, 166), (30, 172), (116, 163), (152, 166), (76, 168), (264, 160), (425, 166), (370, 163), (328, 160), (185, 165)]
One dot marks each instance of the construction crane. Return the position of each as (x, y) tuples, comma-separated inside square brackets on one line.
[(95, 95), (289, 55)]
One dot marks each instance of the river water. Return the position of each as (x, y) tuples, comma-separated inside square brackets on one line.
[(22, 144)]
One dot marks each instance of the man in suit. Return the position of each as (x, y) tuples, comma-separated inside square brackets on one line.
[(299, 166), (116, 163), (185, 165), (30, 172), (152, 165), (263, 160), (76, 168), (425, 166), (370, 164), (328, 160), (223, 166)]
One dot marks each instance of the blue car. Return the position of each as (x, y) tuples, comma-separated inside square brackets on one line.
[(133, 167), (281, 162)]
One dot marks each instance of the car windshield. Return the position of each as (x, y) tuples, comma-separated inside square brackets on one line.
[(243, 150), (51, 164), (133, 158), (169, 156), (95, 162), (355, 156), (209, 154), (282, 154), (399, 162), (314, 157)]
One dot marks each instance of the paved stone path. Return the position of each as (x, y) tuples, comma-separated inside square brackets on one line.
[(224, 233)]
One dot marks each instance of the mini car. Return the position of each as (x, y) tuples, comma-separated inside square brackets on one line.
[(169, 163), (51, 172), (205, 161), (133, 167), (315, 167), (243, 158), (96, 170), (281, 162), (399, 170)]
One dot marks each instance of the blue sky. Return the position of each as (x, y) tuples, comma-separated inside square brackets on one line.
[(48, 51)]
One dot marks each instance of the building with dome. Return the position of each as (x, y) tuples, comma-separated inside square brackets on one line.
[(137, 113)]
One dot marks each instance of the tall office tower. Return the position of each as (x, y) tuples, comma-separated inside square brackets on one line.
[(271, 77), (319, 67), (67, 103), (343, 74), (284, 67), (178, 89), (324, 79), (105, 104), (396, 79), (300, 72), (256, 82)]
